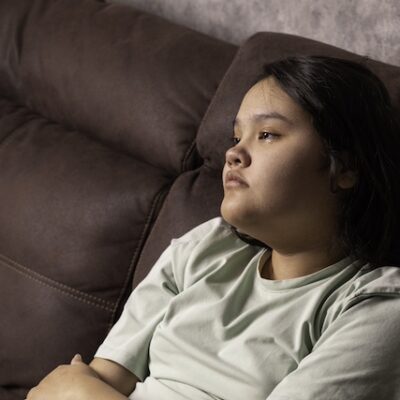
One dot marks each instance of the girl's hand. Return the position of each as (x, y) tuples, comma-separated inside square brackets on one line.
[(65, 382)]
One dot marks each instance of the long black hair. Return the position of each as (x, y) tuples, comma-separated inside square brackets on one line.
[(352, 112)]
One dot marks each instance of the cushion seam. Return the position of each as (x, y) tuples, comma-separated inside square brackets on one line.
[(60, 287), (186, 157), (150, 216)]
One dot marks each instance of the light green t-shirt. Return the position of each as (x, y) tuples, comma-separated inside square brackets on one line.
[(205, 325)]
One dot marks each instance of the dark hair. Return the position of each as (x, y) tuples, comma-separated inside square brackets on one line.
[(352, 112)]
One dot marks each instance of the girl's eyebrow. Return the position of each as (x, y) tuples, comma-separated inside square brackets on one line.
[(260, 117)]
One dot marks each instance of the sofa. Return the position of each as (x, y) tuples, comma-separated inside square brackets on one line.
[(113, 129)]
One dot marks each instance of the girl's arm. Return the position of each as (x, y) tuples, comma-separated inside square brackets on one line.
[(115, 375), (357, 356), (103, 379)]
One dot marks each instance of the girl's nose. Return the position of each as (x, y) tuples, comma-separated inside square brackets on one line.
[(237, 157)]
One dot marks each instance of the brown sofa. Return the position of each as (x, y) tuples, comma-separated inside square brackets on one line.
[(113, 128)]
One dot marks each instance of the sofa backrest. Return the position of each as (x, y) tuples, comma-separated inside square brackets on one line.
[(111, 143), (99, 109)]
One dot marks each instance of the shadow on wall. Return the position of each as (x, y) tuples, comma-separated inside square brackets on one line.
[(367, 27)]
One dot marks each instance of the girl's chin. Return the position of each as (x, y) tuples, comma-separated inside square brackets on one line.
[(245, 223), (236, 218), (230, 215)]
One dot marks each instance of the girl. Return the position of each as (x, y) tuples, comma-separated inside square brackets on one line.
[(290, 295)]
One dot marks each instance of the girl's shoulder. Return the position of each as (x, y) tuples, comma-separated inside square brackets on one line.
[(367, 283), (208, 248), (384, 280)]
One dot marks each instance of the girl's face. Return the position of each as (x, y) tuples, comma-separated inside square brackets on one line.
[(276, 175)]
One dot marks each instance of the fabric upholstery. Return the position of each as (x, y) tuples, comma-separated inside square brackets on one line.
[(111, 143), (99, 108)]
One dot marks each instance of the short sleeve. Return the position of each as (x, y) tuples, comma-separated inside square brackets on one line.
[(128, 341), (356, 358)]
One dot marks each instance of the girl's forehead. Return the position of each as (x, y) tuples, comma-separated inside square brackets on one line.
[(266, 96)]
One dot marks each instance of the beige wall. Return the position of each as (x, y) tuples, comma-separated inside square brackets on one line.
[(368, 27)]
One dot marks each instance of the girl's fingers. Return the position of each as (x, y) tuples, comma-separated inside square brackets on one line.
[(77, 359)]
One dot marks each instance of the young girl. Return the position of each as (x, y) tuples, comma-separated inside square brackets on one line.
[(290, 295)]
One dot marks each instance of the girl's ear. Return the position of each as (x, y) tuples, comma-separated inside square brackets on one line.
[(347, 175)]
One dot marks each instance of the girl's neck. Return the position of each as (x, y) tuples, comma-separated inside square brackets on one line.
[(282, 267)]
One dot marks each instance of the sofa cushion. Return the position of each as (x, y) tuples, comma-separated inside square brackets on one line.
[(262, 48), (132, 80), (99, 108), (195, 197)]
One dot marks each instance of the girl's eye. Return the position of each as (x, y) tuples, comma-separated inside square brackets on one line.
[(235, 140), (267, 135), (262, 135)]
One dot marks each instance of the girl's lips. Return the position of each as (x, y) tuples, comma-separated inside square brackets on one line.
[(233, 179)]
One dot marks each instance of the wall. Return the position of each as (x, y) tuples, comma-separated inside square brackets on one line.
[(368, 27)]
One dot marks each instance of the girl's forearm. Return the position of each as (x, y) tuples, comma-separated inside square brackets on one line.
[(77, 382), (97, 389)]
